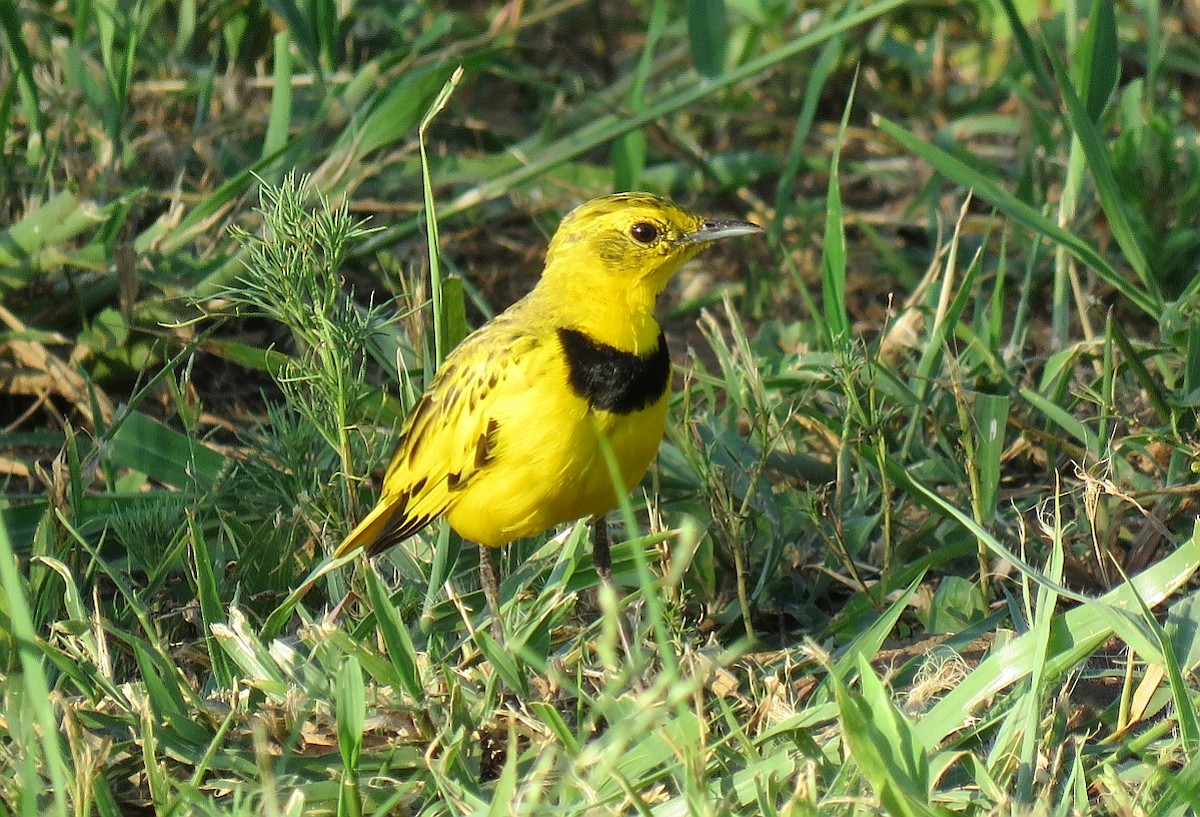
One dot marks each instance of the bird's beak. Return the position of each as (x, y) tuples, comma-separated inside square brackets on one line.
[(714, 230)]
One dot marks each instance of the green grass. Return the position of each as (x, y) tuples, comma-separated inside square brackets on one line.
[(922, 536)]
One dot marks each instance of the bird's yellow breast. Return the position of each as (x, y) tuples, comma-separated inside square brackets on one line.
[(506, 442), (548, 465)]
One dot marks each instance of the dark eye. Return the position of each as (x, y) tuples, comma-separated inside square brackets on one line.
[(644, 232)]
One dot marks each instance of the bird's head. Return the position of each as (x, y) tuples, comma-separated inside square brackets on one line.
[(631, 241)]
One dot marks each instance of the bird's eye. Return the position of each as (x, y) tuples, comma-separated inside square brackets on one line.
[(644, 232)]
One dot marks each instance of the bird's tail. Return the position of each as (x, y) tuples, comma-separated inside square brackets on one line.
[(371, 534), (391, 522)]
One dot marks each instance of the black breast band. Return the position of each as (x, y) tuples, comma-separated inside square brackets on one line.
[(612, 380)]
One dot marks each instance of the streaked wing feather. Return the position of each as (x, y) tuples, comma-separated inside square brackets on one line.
[(446, 439)]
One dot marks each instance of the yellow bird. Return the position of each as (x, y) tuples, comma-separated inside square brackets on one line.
[(506, 441)]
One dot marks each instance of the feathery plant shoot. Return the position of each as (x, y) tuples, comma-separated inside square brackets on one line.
[(292, 277)]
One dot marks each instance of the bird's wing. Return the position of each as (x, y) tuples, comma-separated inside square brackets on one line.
[(448, 438)]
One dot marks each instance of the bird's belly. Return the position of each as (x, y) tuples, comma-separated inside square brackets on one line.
[(550, 469)]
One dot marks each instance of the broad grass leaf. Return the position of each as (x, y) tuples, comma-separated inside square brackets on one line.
[(1099, 164), (956, 605), (61, 219), (400, 649), (163, 454), (990, 413), (833, 259), (868, 642), (212, 609), (1066, 421), (708, 36), (351, 712), (1098, 59), (280, 118), (166, 690), (22, 62), (883, 744)]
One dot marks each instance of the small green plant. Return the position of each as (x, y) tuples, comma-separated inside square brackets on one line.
[(1156, 162), (293, 277)]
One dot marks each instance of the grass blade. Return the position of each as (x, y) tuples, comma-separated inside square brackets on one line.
[(281, 98), (606, 128), (629, 150), (22, 62), (833, 259), (400, 649), (1099, 163), (1097, 59), (985, 186), (351, 714), (1073, 636), (440, 347), (33, 679), (706, 32), (165, 455), (212, 609), (884, 745)]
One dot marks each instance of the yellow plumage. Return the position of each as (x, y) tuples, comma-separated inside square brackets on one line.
[(505, 442)]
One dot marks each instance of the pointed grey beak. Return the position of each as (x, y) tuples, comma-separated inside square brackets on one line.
[(716, 229)]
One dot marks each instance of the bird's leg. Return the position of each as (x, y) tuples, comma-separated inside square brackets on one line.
[(490, 579), (602, 559), (601, 556)]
